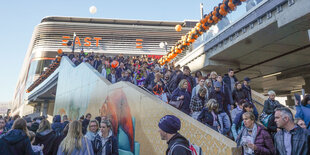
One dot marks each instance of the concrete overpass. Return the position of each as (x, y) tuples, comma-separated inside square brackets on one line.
[(270, 44)]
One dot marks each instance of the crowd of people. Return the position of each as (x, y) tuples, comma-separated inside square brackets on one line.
[(222, 103), (38, 136)]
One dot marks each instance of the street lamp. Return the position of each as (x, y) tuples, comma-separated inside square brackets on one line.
[(163, 45), (69, 43)]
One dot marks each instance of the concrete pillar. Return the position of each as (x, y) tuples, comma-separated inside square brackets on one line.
[(45, 108), (306, 87), (37, 108), (289, 101)]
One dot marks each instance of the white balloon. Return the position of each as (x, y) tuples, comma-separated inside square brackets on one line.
[(92, 9)]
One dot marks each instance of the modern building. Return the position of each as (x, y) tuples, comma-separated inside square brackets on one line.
[(107, 36)]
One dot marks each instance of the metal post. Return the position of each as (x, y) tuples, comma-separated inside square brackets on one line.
[(74, 36)]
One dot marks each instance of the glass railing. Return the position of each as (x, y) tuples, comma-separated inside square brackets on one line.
[(232, 17)]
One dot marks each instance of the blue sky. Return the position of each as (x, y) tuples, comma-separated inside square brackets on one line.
[(18, 19)]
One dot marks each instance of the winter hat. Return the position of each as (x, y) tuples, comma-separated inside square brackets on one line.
[(247, 79), (170, 124)]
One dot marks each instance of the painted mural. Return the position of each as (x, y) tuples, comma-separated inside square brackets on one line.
[(134, 113), (116, 109)]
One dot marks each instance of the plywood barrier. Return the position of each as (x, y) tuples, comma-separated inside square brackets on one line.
[(81, 90)]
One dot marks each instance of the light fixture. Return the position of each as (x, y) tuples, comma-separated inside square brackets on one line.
[(162, 44), (270, 75), (294, 91)]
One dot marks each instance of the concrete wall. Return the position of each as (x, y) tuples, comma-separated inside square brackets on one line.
[(81, 90)]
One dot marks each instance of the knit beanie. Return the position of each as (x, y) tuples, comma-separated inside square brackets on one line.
[(170, 124)]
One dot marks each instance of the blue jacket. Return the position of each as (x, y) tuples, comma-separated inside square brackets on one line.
[(206, 117), (186, 101), (303, 112), (16, 142), (57, 126)]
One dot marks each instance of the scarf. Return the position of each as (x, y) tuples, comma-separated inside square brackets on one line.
[(248, 138)]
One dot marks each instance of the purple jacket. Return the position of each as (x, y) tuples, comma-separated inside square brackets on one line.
[(263, 141)]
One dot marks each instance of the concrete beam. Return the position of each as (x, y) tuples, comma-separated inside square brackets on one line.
[(306, 87)]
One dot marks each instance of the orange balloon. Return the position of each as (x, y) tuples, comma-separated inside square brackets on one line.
[(223, 12), (178, 28), (214, 18), (231, 5), (59, 51), (114, 64), (178, 51)]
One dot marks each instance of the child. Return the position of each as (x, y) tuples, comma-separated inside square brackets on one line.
[(35, 148)]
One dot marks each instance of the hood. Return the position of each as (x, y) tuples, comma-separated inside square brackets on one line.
[(57, 118), (45, 132), (14, 136)]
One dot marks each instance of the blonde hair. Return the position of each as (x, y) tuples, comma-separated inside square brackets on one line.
[(93, 121), (212, 105), (44, 125), (249, 115), (31, 135), (74, 138), (213, 73), (182, 83)]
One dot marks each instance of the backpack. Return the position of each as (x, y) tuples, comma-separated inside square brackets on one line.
[(194, 149), (265, 118), (58, 131)]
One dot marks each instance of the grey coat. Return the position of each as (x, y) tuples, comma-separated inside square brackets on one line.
[(300, 142)]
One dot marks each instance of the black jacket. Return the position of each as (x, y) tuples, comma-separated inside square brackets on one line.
[(300, 142), (238, 95), (34, 127), (220, 98), (84, 126), (248, 92), (111, 146), (173, 149), (16, 142), (150, 77), (226, 80), (50, 141), (270, 106)]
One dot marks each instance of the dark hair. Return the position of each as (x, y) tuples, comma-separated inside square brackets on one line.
[(242, 101), (237, 84), (247, 105), (196, 74), (88, 114), (305, 101), (230, 69), (186, 67)]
